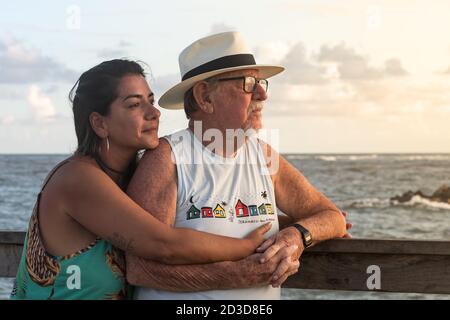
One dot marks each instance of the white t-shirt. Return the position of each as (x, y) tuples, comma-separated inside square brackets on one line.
[(225, 196)]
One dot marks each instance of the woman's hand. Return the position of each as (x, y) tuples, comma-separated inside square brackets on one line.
[(256, 237)]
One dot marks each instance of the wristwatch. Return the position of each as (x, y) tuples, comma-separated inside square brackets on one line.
[(306, 235)]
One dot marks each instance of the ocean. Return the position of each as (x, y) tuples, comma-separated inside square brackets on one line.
[(360, 184)]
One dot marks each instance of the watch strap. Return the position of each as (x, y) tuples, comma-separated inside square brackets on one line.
[(306, 235)]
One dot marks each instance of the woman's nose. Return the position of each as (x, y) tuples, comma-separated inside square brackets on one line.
[(152, 112)]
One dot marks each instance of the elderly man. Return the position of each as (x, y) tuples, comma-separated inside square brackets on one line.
[(230, 188)]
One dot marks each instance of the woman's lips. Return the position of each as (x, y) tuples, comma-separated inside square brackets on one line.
[(150, 129)]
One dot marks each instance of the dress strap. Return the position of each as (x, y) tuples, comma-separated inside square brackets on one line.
[(47, 179)]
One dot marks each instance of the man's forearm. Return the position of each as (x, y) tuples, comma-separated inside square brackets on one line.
[(180, 278), (325, 224)]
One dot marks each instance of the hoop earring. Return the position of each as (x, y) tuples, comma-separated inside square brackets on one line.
[(107, 144)]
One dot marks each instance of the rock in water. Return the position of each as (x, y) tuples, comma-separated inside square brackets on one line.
[(407, 196), (440, 195)]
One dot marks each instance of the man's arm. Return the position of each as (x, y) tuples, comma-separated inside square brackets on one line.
[(298, 199), (154, 187)]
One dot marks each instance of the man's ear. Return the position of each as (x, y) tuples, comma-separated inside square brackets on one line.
[(98, 124), (201, 96)]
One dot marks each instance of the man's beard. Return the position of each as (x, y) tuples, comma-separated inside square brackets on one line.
[(254, 107)]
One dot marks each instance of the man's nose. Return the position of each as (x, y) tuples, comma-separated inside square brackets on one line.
[(260, 94)]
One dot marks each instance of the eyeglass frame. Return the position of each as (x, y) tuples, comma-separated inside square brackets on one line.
[(257, 81)]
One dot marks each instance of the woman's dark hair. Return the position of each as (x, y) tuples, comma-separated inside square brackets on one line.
[(95, 91)]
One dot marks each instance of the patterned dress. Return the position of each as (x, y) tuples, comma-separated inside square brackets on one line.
[(95, 272)]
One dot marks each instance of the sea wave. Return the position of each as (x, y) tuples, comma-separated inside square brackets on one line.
[(369, 203), (384, 203), (346, 157), (368, 157), (326, 158), (418, 200), (428, 157), (296, 157)]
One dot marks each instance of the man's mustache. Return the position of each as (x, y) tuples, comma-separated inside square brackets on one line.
[(254, 107)]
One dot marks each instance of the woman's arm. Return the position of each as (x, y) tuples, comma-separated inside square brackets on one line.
[(92, 199)]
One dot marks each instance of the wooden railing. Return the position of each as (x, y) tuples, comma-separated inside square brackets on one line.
[(342, 264)]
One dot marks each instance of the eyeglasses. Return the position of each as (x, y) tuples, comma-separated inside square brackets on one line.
[(249, 83)]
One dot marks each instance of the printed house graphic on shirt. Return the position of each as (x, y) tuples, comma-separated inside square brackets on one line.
[(193, 213), (207, 212), (262, 209), (269, 208), (219, 212), (253, 210), (241, 209)]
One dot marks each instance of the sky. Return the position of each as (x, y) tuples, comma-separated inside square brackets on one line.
[(361, 76)]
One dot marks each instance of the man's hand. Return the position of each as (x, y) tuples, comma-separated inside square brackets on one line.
[(287, 267), (280, 266), (287, 240), (348, 226)]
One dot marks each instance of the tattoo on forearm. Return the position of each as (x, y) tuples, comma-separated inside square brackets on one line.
[(121, 242)]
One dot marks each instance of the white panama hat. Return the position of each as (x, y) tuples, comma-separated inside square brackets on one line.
[(210, 56)]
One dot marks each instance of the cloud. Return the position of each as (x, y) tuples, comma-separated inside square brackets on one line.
[(22, 65), (221, 27), (112, 53), (161, 84), (334, 82), (300, 69), (7, 120), (271, 52), (11, 92), (331, 62), (393, 67), (382, 99), (124, 44), (117, 52), (353, 66), (41, 105)]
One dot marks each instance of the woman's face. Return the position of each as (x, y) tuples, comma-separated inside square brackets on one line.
[(133, 119)]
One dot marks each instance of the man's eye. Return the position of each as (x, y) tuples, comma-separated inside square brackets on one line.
[(134, 105)]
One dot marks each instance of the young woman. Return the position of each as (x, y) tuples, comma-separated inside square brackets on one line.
[(83, 220)]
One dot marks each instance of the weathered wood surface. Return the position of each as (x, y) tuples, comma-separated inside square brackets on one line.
[(11, 243), (342, 264)]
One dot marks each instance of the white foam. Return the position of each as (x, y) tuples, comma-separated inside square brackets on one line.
[(370, 203), (326, 158), (296, 157), (364, 157), (418, 200), (347, 157), (429, 157)]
